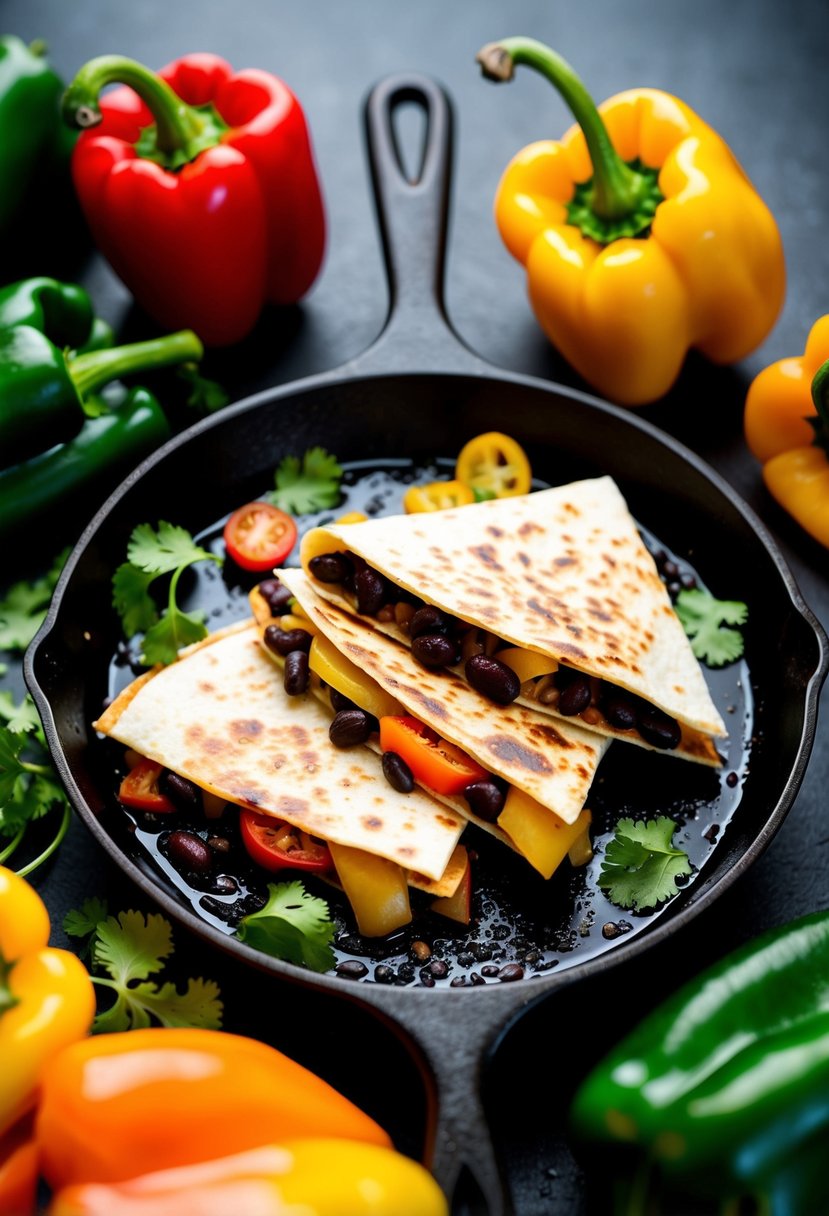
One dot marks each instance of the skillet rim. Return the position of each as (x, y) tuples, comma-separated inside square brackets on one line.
[(694, 899)]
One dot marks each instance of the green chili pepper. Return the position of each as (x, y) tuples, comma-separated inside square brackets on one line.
[(31, 129), (725, 1087), (104, 448), (44, 390), (61, 311)]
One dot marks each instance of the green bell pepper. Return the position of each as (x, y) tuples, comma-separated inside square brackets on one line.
[(46, 392), (61, 311), (104, 448), (31, 130), (724, 1089)]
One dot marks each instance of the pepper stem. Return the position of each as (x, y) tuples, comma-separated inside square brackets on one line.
[(820, 399), (181, 131), (91, 371), (618, 191)]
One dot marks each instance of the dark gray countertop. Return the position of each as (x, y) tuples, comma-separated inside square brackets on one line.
[(755, 70)]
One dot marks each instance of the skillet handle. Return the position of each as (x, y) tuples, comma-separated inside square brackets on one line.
[(413, 216), (451, 1036)]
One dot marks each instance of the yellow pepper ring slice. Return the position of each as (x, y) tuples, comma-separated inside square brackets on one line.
[(496, 463), (437, 496)]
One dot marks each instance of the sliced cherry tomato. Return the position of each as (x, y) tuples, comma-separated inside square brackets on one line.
[(258, 536), (440, 765), (494, 464), (139, 788), (437, 496), (278, 845)]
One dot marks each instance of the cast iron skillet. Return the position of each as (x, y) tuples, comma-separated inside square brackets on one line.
[(419, 391)]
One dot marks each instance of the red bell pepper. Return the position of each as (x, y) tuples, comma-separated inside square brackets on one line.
[(199, 187)]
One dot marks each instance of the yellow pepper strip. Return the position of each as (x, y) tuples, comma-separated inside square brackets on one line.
[(314, 1177), (437, 496), (779, 402), (799, 478), (46, 997), (641, 235)]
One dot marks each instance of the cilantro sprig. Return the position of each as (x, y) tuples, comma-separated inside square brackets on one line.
[(29, 786), (641, 864), (151, 553), (309, 484), (712, 626), (132, 949), (293, 925), (24, 605)]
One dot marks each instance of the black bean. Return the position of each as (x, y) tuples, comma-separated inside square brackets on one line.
[(435, 650), (575, 697), (384, 974), (657, 728), (182, 792), (351, 969), (427, 980), (489, 970), (370, 588), (492, 678), (330, 567), (477, 979), (350, 727), (439, 968), (187, 851), (619, 710), (276, 595), (295, 676), (428, 619), (397, 772), (283, 641), (485, 799), (339, 701), (219, 844), (223, 884), (670, 569), (510, 972), (459, 981), (687, 581)]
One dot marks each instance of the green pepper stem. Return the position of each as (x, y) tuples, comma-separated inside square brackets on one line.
[(179, 127), (617, 189), (820, 395), (92, 370)]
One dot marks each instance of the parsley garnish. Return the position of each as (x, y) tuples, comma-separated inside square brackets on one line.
[(641, 864), (132, 948), (704, 619), (29, 785), (312, 484), (151, 553), (206, 395), (24, 607), (293, 925)]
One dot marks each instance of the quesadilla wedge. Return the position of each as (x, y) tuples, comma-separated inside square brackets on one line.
[(219, 717), (509, 769), (551, 599)]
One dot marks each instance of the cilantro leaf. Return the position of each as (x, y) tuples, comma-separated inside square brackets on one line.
[(641, 864), (162, 551), (311, 484), (22, 718), (132, 949), (293, 925), (167, 636), (704, 620), (205, 395), (11, 768), (132, 600), (24, 606), (29, 785)]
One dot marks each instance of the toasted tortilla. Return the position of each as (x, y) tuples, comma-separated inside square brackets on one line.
[(219, 716), (563, 572), (553, 763)]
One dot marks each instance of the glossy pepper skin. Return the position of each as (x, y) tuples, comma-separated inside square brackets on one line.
[(725, 1085), (786, 424), (641, 235), (199, 186), (317, 1177), (30, 127), (61, 311), (179, 1096), (46, 997)]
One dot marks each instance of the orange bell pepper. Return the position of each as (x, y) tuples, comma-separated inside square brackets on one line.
[(314, 1177), (145, 1100), (786, 424), (641, 235)]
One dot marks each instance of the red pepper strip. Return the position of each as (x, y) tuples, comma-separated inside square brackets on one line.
[(217, 210)]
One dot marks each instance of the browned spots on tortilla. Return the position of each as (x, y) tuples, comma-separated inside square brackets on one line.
[(572, 652), (405, 851), (582, 772), (571, 508), (292, 806), (528, 528), (445, 821), (523, 559), (678, 688), (428, 703), (372, 823), (548, 735), (535, 606), (246, 728), (206, 687), (514, 753), (610, 561), (299, 736), (496, 532), (599, 615), (564, 561), (487, 555)]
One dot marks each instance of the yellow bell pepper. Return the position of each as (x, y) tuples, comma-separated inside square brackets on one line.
[(641, 235), (786, 425), (314, 1177), (46, 997)]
